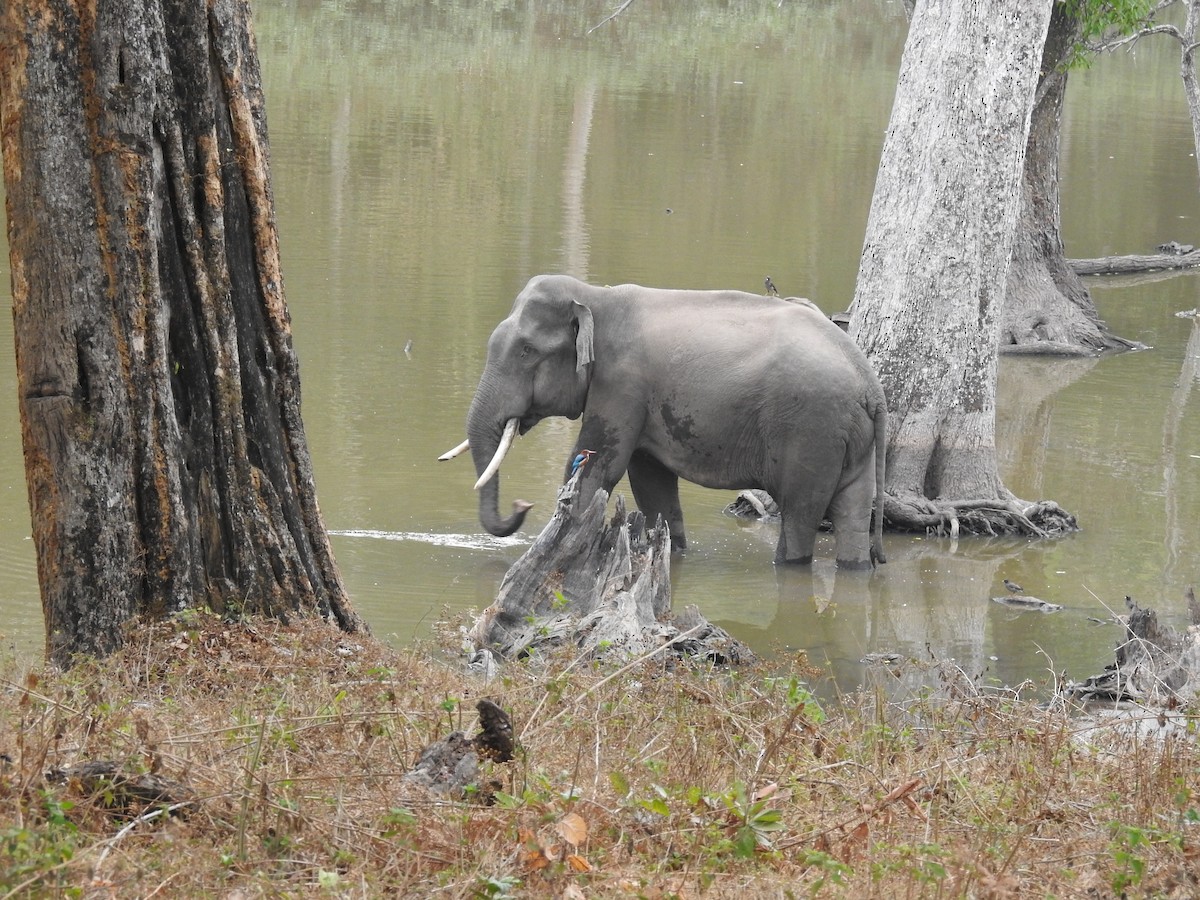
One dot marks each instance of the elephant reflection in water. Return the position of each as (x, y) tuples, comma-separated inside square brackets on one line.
[(721, 388)]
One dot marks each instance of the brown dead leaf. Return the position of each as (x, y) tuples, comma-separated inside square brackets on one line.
[(572, 829), (915, 808), (578, 863), (854, 842), (534, 859), (766, 790)]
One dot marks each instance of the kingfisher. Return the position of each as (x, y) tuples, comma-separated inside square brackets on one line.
[(772, 291), (581, 460), (1013, 587)]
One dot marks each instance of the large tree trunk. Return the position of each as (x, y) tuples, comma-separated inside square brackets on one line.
[(935, 259), (159, 390), (1046, 307)]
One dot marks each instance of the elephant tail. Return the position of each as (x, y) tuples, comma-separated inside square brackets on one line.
[(877, 554)]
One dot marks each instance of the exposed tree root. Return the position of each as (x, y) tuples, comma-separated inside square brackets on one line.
[(1043, 519), (994, 516)]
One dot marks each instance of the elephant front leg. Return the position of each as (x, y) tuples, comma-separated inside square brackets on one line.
[(602, 452), (656, 492)]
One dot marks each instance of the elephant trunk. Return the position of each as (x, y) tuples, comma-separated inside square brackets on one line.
[(488, 447)]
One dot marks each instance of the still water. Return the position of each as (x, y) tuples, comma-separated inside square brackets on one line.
[(428, 159)]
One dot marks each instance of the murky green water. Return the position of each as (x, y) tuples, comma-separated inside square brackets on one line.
[(428, 160)]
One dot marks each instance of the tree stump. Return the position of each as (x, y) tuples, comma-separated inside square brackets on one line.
[(604, 587), (1155, 664)]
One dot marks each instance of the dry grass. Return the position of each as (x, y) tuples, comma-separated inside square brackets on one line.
[(685, 783)]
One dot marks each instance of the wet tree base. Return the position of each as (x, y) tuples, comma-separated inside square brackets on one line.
[(1041, 519), (601, 587), (992, 517)]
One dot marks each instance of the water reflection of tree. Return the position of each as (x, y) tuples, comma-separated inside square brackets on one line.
[(1177, 530), (1024, 413), (576, 242)]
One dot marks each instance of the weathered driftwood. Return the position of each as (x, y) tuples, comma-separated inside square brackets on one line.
[(1129, 265), (1155, 664), (1027, 604), (602, 587)]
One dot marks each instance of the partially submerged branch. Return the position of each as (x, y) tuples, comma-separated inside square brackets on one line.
[(1130, 265)]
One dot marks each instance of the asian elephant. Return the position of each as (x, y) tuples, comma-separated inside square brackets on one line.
[(721, 388)]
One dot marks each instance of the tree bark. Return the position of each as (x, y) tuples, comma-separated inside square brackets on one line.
[(159, 390), (1046, 307), (935, 260)]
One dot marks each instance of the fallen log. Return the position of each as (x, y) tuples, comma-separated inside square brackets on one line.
[(120, 790), (1131, 265), (604, 588)]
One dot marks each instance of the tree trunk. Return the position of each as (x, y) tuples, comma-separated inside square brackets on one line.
[(1187, 71), (1046, 306), (159, 391), (935, 259), (1156, 665)]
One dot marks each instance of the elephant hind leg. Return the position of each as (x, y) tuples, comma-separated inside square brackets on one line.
[(656, 492), (796, 541), (799, 520), (800, 512), (850, 511)]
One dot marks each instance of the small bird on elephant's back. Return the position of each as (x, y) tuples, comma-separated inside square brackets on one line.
[(1013, 587)]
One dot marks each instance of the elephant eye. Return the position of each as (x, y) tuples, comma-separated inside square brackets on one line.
[(525, 351)]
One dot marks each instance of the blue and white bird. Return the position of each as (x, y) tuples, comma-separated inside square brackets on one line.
[(581, 460)]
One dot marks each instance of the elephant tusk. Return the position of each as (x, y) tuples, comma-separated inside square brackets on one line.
[(457, 451), (506, 439)]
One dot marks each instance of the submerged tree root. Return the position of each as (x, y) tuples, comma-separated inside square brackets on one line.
[(1042, 519), (997, 516)]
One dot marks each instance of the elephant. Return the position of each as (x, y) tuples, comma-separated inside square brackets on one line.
[(721, 388)]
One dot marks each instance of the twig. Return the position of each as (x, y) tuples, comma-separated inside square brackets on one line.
[(144, 817), (900, 792), (620, 9), (617, 674)]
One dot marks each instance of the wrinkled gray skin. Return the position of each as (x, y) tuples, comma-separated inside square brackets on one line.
[(722, 388)]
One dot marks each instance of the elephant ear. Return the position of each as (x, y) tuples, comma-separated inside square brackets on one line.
[(583, 337)]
